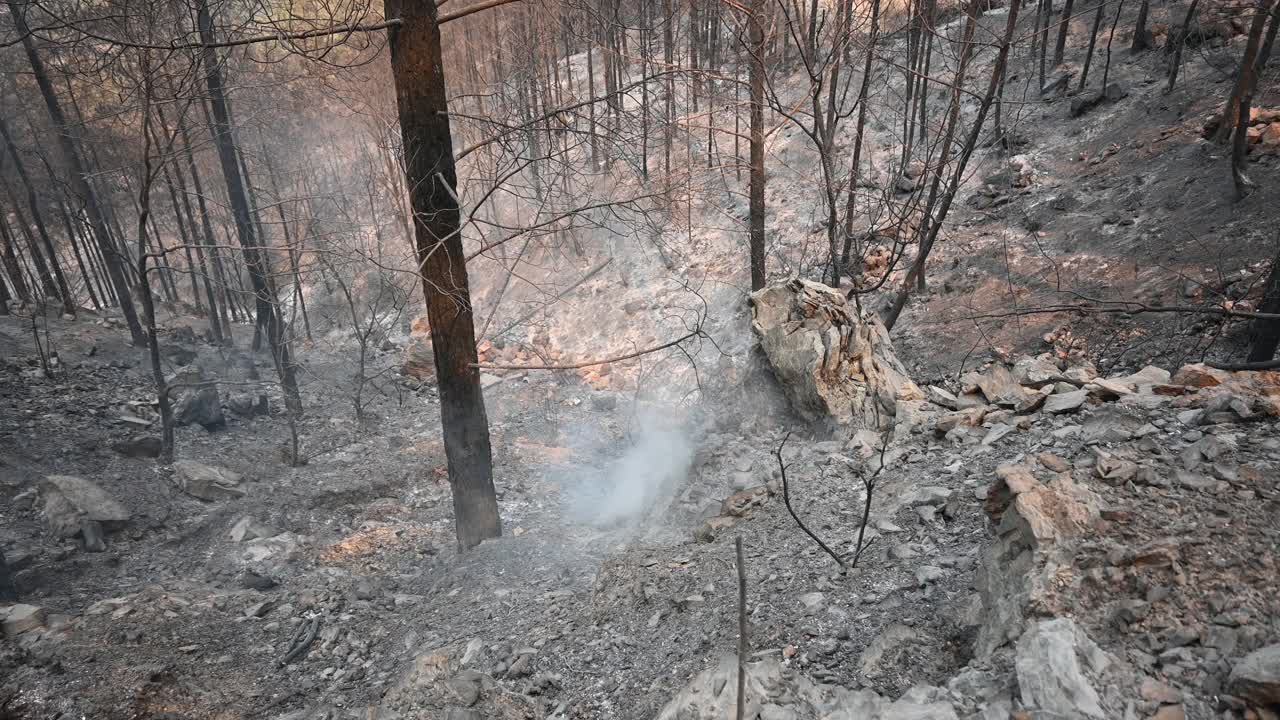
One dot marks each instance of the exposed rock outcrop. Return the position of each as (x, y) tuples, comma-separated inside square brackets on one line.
[(836, 364)]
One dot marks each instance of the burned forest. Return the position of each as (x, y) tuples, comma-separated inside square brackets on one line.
[(643, 359)]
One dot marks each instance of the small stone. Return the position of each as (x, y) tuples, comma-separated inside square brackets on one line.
[(813, 600), (926, 574), (1155, 691), (1060, 403), (1053, 462)]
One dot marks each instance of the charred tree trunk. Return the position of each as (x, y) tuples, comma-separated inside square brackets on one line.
[(1266, 333), (1141, 38), (79, 180), (757, 176), (1243, 99), (418, 71), (1175, 63), (1063, 26), (1093, 43), (254, 255)]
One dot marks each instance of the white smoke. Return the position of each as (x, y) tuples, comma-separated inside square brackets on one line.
[(640, 483)]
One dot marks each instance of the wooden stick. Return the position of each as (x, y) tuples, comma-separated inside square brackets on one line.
[(742, 630)]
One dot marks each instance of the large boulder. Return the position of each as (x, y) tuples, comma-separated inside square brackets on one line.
[(69, 500), (836, 364), (1055, 661), (1036, 524), (195, 399), (1256, 677)]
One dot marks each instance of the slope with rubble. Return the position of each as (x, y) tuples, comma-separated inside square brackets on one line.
[(1058, 527)]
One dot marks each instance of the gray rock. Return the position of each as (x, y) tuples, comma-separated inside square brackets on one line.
[(926, 574), (69, 499), (246, 528), (813, 601), (139, 446), (246, 405), (17, 619), (1050, 675), (200, 407), (1256, 677), (207, 482), (1060, 403)]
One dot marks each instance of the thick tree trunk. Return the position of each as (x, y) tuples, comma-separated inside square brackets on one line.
[(1140, 36), (1063, 27), (66, 139), (1243, 96), (418, 71), (757, 178), (1266, 333), (1175, 63), (254, 256), (1093, 43)]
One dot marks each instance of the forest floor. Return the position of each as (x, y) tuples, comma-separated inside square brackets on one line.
[(607, 593)]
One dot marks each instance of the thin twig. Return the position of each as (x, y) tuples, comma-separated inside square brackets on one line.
[(786, 498)]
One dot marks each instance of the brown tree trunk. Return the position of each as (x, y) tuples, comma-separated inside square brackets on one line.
[(79, 183), (1266, 333), (418, 72), (1093, 42), (1243, 99), (757, 177), (1063, 26), (1176, 61), (1140, 38)]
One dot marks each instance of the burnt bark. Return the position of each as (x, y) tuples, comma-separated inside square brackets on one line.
[(1266, 332), (418, 71)]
